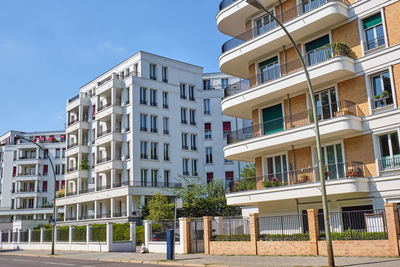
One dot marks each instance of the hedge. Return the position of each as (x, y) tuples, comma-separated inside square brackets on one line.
[(280, 237), (353, 235), (80, 233), (231, 238), (139, 235), (36, 235), (63, 234), (47, 235), (99, 233), (121, 232)]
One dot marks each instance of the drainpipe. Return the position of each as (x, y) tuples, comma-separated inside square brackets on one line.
[(280, 8), (290, 111), (294, 161), (284, 59), (236, 119)]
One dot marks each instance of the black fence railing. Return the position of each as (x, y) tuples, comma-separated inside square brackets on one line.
[(103, 160), (374, 43), (159, 230), (226, 3), (104, 132), (231, 229), (325, 112), (388, 163), (72, 99), (356, 225), (101, 107), (284, 228)]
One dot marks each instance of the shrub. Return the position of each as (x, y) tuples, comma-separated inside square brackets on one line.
[(245, 184), (139, 235), (280, 237), (121, 232), (79, 234), (353, 235), (99, 233), (231, 237), (63, 234)]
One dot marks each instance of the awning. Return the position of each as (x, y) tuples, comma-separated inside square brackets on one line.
[(62, 136), (42, 138), (227, 126), (50, 139), (207, 126), (94, 111), (36, 138)]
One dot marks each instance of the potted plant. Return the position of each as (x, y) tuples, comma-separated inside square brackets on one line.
[(385, 94), (304, 178), (377, 96), (84, 165)]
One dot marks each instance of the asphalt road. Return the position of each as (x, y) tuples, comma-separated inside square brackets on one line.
[(19, 261)]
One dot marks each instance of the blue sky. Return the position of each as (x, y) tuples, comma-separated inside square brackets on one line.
[(48, 49)]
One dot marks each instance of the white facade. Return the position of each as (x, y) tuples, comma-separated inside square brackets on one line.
[(27, 183), (120, 127)]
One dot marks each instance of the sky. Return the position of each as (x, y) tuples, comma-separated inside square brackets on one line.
[(49, 49)]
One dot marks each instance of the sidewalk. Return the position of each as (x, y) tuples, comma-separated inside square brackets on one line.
[(211, 260)]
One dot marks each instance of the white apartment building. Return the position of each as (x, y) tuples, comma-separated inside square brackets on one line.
[(133, 131), (27, 180)]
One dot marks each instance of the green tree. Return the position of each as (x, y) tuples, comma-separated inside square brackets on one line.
[(160, 208), (248, 171)]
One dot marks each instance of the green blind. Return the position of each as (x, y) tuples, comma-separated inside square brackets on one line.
[(272, 119), (317, 43), (372, 21), (268, 61)]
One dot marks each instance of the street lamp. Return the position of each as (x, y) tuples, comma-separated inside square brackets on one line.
[(257, 4), (53, 223)]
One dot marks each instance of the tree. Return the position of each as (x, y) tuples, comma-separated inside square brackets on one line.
[(249, 171), (160, 208)]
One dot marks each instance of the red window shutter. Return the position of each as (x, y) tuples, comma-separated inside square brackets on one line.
[(94, 111), (207, 126), (16, 140), (44, 186), (229, 175), (62, 183), (57, 184), (36, 138), (14, 170), (45, 169), (227, 126)]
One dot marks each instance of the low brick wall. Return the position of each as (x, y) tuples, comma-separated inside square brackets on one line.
[(232, 248), (358, 248), (297, 248)]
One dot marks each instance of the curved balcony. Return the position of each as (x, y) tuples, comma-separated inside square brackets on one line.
[(339, 119), (300, 21), (76, 148), (325, 65)]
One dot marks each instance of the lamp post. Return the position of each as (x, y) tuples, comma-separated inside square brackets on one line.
[(257, 4), (53, 223)]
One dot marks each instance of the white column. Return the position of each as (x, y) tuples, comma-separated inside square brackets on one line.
[(65, 213), (112, 201), (70, 234), (95, 209), (112, 178), (132, 228), (80, 136), (35, 202), (56, 234), (78, 186), (9, 236), (80, 117), (78, 210), (41, 234), (128, 205), (88, 230), (147, 232), (29, 236), (109, 236), (18, 235), (1, 238), (113, 95), (113, 150)]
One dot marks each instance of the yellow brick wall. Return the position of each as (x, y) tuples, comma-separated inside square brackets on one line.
[(256, 123), (355, 90), (357, 248), (396, 78), (284, 248), (252, 73), (248, 25), (360, 148), (348, 34), (298, 104), (232, 248), (303, 160), (392, 23), (292, 58), (258, 164)]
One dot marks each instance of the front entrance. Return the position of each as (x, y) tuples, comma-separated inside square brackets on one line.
[(197, 235)]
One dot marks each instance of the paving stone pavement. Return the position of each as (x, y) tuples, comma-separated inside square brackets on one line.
[(213, 260)]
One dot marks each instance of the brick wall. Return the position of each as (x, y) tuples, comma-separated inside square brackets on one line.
[(256, 121), (258, 164), (232, 248), (284, 248), (252, 72), (355, 90), (360, 148), (297, 104), (357, 248), (396, 82), (392, 23), (348, 34)]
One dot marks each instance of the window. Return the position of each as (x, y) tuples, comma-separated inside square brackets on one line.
[(210, 177), (191, 93), (63, 169), (381, 90), (183, 116), (276, 167), (143, 96), (264, 24), (166, 178), (165, 99), (143, 150), (206, 103), (224, 83), (268, 70), (153, 72), (63, 153), (209, 157), (333, 161), (229, 176), (166, 125), (326, 103), (143, 177), (136, 70), (207, 84), (153, 97), (153, 151), (57, 153), (166, 152), (58, 169), (185, 166), (44, 200), (207, 130), (193, 141), (184, 141), (153, 124), (373, 32), (165, 74), (183, 90), (143, 122), (318, 51), (194, 167), (390, 151), (226, 125), (192, 114)]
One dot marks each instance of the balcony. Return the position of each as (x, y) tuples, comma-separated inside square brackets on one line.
[(325, 65), (104, 164), (389, 164), (109, 109), (108, 83), (74, 125), (338, 119), (108, 136), (341, 178), (76, 148), (300, 21), (74, 173), (77, 101)]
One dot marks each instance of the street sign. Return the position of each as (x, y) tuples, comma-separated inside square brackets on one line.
[(178, 203), (53, 222)]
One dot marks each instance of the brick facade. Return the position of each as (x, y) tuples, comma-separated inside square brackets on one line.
[(349, 35), (297, 104), (355, 90), (258, 164), (360, 148), (391, 13), (396, 81)]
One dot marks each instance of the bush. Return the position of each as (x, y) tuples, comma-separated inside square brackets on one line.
[(353, 235), (279, 237), (231, 237), (99, 233), (36, 235), (245, 185), (139, 235), (121, 232), (63, 234), (156, 227), (47, 235), (79, 234)]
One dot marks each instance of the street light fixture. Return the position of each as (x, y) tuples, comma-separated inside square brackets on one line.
[(53, 223), (257, 4)]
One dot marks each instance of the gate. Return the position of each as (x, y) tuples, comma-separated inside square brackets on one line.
[(197, 235)]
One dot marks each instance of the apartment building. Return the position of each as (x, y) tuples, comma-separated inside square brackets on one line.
[(138, 129), (27, 180), (352, 52)]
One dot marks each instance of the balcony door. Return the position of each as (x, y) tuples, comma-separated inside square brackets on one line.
[(326, 101), (269, 70), (272, 119), (316, 51), (333, 161), (277, 167), (390, 151)]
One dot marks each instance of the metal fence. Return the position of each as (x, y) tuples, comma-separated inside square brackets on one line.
[(63, 234), (24, 236), (230, 229), (47, 235), (79, 234), (35, 235), (356, 225), (159, 230), (284, 228), (4, 237), (98, 233)]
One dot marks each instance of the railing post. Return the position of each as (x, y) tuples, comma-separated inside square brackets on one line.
[(88, 228), (41, 235), (9, 236), (132, 234), (1, 239), (392, 222), (147, 232), (313, 227), (29, 236), (56, 234), (70, 235), (184, 227), (254, 231), (18, 236), (109, 237), (207, 226)]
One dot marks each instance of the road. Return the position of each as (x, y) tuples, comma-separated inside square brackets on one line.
[(19, 261)]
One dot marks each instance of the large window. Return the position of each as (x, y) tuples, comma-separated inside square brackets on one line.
[(143, 150), (326, 103), (143, 95), (183, 90), (263, 24), (153, 124), (307, 5), (390, 151), (153, 97), (207, 108), (166, 178), (192, 114), (191, 93), (373, 32), (268, 70), (272, 119), (193, 140), (143, 122), (165, 99), (333, 161), (207, 130), (184, 141), (143, 177), (183, 116), (166, 152), (381, 90), (224, 83), (185, 166), (277, 168), (194, 167), (165, 74), (153, 71), (318, 51), (207, 84), (153, 151), (166, 125), (209, 156), (154, 178)]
